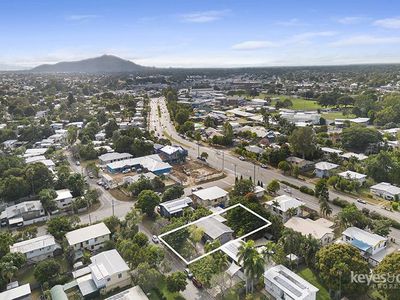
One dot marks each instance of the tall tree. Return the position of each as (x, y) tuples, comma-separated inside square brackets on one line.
[(303, 141), (252, 262)]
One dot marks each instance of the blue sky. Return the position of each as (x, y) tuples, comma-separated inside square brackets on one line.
[(201, 33)]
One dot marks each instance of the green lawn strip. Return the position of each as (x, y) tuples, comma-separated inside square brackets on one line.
[(308, 275)]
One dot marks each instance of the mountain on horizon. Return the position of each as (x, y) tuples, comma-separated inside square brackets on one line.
[(101, 64)]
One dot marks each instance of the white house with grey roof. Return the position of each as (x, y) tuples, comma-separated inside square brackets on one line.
[(212, 196), (371, 245), (284, 205), (64, 198), (385, 190), (281, 283), (108, 271), (215, 230), (353, 176), (324, 169), (36, 249), (90, 237), (174, 207)]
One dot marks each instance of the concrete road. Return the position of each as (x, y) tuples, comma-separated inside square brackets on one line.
[(224, 160)]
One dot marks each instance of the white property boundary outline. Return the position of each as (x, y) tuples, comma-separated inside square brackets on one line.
[(160, 237)]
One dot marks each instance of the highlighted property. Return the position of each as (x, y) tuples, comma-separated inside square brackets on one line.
[(189, 242)]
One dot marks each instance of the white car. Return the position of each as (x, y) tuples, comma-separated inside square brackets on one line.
[(155, 239), (241, 157)]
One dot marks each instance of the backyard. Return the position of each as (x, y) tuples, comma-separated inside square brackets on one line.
[(308, 275)]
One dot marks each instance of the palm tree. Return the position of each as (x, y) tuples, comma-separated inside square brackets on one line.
[(325, 208), (291, 212), (8, 270), (252, 262), (269, 251)]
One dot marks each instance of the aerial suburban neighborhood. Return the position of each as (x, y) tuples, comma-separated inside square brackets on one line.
[(210, 180)]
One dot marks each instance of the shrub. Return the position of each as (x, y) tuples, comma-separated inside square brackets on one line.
[(290, 184), (340, 202), (306, 190)]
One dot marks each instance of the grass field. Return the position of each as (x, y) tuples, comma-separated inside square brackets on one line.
[(162, 287), (299, 103), (308, 275)]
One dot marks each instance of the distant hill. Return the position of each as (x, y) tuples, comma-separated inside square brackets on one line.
[(102, 64)]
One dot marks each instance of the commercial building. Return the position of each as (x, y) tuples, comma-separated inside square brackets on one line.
[(108, 158), (152, 163)]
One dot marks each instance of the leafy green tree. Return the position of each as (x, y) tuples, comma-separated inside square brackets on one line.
[(13, 188), (350, 215), (390, 265), (321, 189), (110, 127), (173, 192), (147, 277), (204, 155), (6, 239), (59, 226), (242, 188), (76, 183), (381, 227), (157, 183), (39, 177), (140, 185), (47, 270), (7, 270), (176, 282), (273, 186), (303, 141), (358, 137), (47, 198), (335, 263), (147, 202), (284, 166)]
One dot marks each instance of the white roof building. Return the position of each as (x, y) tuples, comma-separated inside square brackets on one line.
[(286, 202), (317, 229), (353, 176), (16, 293), (86, 233), (325, 166), (211, 193), (114, 156), (134, 293), (349, 155), (282, 283), (33, 244), (385, 190)]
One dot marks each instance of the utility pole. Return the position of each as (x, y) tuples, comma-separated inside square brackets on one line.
[(234, 165), (223, 160), (254, 173), (112, 204), (198, 149)]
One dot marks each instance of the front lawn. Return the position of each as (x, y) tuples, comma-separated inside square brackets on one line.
[(308, 275), (161, 290), (337, 115)]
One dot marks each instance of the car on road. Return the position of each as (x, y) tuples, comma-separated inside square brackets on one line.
[(194, 189), (361, 201), (77, 163), (264, 166), (197, 283), (155, 239), (287, 190), (188, 273), (201, 158), (241, 158), (100, 182)]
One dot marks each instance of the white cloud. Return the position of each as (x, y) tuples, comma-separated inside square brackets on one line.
[(204, 16), (80, 17), (351, 20), (310, 35), (253, 45), (363, 40), (291, 22), (392, 23)]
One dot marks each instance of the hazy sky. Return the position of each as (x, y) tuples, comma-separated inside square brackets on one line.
[(201, 33)]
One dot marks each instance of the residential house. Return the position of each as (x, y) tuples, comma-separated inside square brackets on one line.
[(134, 293), (285, 207), (17, 292), (214, 230), (319, 229), (108, 271), (24, 213), (303, 164), (174, 208), (372, 246), (212, 196), (90, 237), (259, 191), (281, 283), (37, 249), (358, 156), (324, 169), (64, 198), (354, 176), (386, 191)]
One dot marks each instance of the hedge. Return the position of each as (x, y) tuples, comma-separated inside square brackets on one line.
[(340, 202), (306, 190), (290, 184)]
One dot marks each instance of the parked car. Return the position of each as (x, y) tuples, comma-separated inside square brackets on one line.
[(155, 239), (361, 201), (241, 157), (264, 166), (188, 273), (197, 283), (100, 182), (77, 163), (125, 171)]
